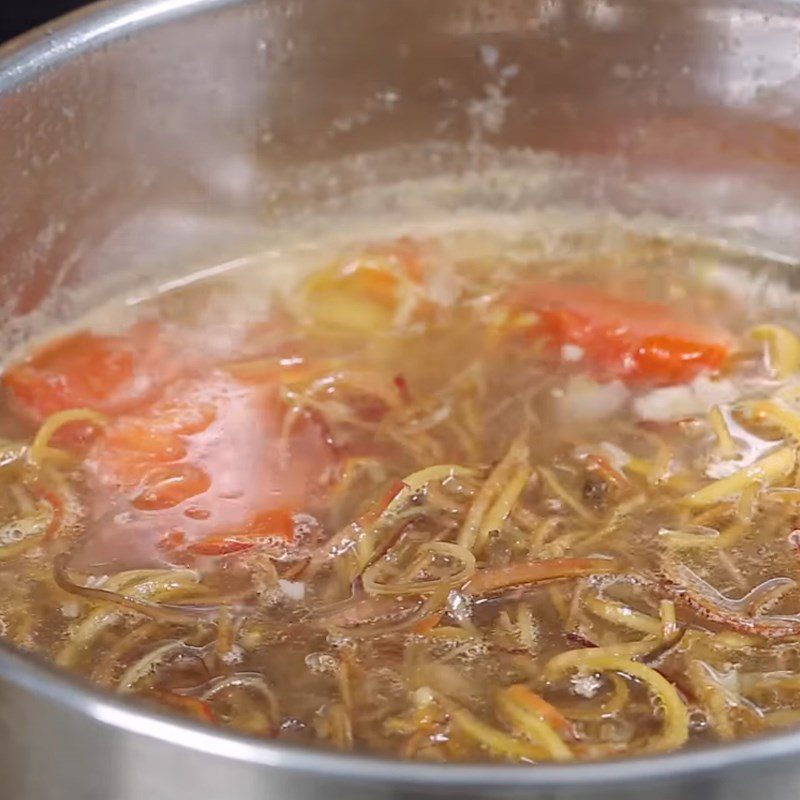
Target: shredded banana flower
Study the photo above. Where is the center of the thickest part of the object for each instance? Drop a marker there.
(564, 495)
(726, 446)
(783, 348)
(768, 470)
(493, 739)
(470, 530)
(675, 715)
(40, 449)
(533, 726)
(623, 615)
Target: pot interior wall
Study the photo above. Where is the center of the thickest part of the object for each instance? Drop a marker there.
(175, 142)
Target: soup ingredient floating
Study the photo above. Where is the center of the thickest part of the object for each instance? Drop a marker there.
(422, 504)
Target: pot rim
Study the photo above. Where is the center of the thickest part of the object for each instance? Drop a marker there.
(23, 60)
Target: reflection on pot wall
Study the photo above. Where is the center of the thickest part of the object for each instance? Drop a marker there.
(181, 140)
(202, 117)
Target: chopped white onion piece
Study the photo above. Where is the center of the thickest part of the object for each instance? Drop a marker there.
(295, 590)
(687, 400)
(585, 400)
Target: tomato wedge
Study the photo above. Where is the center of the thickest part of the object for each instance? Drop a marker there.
(110, 374)
(202, 471)
(169, 485)
(636, 340)
(146, 448)
(278, 523)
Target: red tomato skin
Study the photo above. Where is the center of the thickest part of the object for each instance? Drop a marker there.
(109, 374)
(276, 523)
(640, 341)
(674, 360)
(168, 485)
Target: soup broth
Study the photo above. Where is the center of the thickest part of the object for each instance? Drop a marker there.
(447, 498)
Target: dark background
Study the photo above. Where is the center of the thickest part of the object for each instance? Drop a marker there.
(17, 16)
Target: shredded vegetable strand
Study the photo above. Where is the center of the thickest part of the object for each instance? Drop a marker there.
(675, 726)
(768, 470)
(716, 700)
(620, 614)
(40, 449)
(502, 506)
(531, 724)
(145, 588)
(493, 739)
(740, 615)
(373, 585)
(778, 413)
(517, 454)
(372, 535)
(562, 494)
(490, 580)
(700, 537)
(783, 347)
(146, 665)
(726, 446)
(669, 623)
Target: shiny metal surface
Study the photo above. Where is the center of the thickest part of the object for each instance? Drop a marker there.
(141, 134)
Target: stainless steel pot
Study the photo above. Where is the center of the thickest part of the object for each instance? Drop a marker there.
(152, 132)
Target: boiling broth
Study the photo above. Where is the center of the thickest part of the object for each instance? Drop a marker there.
(444, 498)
